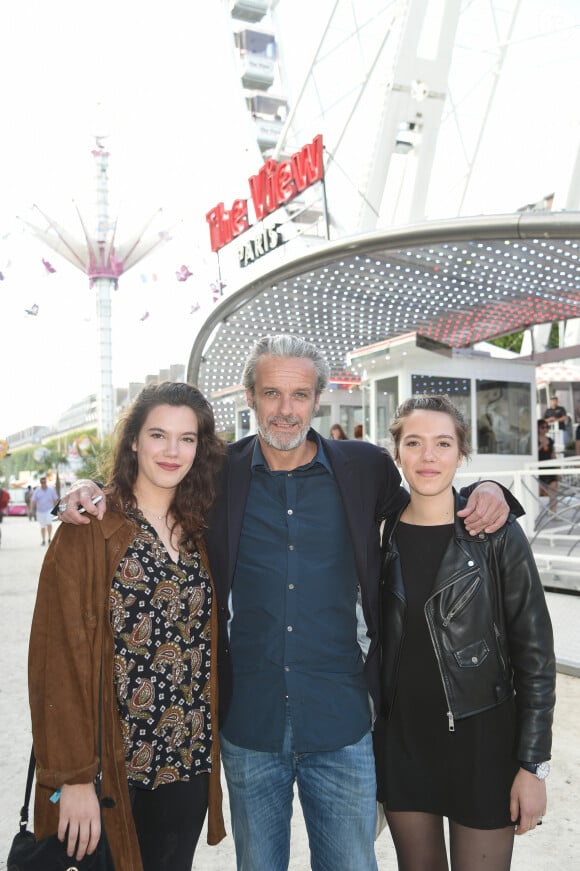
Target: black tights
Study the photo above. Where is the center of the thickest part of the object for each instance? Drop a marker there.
(169, 821)
(420, 844)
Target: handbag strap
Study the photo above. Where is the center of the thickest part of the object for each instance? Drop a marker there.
(27, 792)
(32, 763)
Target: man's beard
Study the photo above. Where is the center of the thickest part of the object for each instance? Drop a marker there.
(283, 444)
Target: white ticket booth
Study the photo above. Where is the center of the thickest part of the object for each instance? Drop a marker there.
(496, 395)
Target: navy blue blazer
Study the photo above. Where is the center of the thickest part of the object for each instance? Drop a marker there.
(370, 488)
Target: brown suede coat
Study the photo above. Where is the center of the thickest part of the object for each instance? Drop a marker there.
(71, 631)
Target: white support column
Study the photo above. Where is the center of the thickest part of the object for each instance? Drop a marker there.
(398, 183)
(102, 285)
(105, 401)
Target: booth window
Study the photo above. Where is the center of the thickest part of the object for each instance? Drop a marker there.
(321, 420)
(387, 399)
(504, 417)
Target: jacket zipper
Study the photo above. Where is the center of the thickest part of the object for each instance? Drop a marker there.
(450, 719)
(459, 604)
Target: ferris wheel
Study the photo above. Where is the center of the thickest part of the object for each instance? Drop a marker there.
(408, 95)
(416, 102)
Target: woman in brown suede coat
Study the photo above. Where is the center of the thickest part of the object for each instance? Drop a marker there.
(131, 598)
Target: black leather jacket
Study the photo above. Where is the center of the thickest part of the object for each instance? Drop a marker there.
(490, 628)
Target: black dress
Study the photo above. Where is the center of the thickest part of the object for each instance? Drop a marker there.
(467, 774)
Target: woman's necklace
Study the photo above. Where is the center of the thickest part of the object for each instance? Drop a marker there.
(150, 511)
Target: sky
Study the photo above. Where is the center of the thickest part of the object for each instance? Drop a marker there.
(160, 83)
(142, 74)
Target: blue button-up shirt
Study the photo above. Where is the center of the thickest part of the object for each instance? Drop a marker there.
(293, 632)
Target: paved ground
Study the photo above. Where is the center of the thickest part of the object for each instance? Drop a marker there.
(554, 846)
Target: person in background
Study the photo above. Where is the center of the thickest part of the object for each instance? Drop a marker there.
(337, 432)
(4, 500)
(486, 440)
(358, 431)
(43, 500)
(294, 547)
(556, 413)
(468, 668)
(28, 503)
(548, 482)
(136, 587)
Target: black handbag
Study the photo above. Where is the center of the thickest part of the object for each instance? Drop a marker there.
(49, 854)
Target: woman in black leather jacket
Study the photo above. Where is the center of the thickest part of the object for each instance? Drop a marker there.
(468, 669)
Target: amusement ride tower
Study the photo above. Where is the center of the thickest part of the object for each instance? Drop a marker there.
(103, 260)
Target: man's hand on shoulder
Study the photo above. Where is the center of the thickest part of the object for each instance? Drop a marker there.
(486, 509)
(79, 502)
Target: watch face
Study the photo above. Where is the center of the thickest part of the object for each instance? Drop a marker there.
(543, 770)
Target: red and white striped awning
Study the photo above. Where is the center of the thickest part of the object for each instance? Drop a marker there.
(550, 373)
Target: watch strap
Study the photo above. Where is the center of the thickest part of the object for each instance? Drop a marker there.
(540, 769)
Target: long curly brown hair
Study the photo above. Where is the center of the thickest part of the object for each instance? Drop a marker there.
(196, 493)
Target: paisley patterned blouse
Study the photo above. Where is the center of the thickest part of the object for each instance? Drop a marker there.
(160, 612)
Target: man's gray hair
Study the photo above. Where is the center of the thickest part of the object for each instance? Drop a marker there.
(284, 345)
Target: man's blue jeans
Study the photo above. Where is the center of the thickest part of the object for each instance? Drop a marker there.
(337, 791)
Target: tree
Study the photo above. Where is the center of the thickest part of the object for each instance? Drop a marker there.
(513, 341)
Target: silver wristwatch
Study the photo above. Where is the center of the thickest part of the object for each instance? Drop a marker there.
(540, 769)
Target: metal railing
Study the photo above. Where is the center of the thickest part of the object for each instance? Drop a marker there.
(551, 524)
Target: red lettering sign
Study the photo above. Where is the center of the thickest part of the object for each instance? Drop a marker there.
(274, 186)
(307, 164)
(225, 226)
